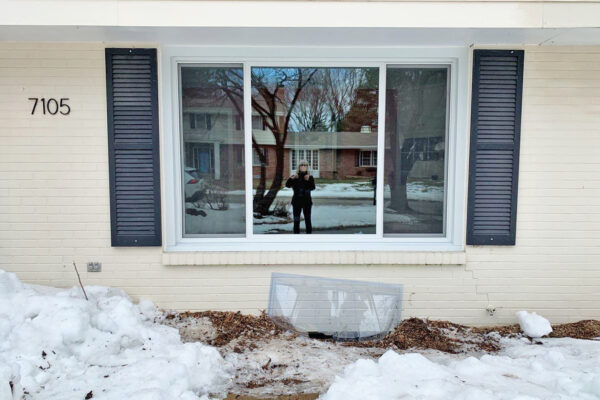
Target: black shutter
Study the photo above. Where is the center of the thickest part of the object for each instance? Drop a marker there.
(494, 153)
(131, 86)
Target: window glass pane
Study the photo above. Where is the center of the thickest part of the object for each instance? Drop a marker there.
(415, 137)
(320, 117)
(365, 158)
(213, 150)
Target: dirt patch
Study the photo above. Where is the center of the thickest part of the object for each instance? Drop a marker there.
(241, 331)
(273, 362)
(502, 330)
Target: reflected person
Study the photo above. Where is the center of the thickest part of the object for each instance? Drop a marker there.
(302, 183)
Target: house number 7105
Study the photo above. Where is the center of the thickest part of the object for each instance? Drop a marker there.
(51, 105)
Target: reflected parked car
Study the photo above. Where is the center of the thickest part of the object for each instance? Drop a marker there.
(194, 185)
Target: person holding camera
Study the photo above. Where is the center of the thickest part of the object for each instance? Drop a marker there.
(302, 183)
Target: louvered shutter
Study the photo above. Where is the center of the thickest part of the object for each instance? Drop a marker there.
(494, 153)
(131, 85)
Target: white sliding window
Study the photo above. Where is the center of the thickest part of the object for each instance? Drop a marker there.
(354, 154)
(415, 160)
(318, 116)
(212, 150)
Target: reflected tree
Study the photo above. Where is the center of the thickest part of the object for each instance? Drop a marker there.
(275, 94)
(415, 107)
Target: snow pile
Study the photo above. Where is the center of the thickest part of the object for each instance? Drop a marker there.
(558, 369)
(58, 345)
(533, 325)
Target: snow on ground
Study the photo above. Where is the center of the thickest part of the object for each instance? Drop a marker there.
(363, 190)
(56, 345)
(550, 369)
(284, 364)
(299, 365)
(533, 325)
(323, 217)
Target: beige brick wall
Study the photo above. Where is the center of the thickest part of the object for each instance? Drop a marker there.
(54, 205)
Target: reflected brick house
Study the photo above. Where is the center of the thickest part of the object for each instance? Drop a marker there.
(331, 155)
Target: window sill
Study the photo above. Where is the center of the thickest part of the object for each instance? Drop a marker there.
(313, 257)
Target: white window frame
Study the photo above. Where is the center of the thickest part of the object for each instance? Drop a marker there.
(256, 160)
(294, 156)
(457, 145)
(371, 154)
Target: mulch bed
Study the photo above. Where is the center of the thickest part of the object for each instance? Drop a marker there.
(411, 333)
(585, 329)
(436, 335)
(235, 326)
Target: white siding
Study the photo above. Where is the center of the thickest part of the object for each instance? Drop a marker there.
(54, 205)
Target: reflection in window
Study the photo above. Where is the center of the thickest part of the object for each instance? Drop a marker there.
(367, 158)
(415, 136)
(308, 126)
(310, 156)
(213, 150)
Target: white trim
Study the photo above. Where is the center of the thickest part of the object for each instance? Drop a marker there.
(379, 188)
(426, 257)
(248, 149)
(456, 57)
(371, 153)
(298, 159)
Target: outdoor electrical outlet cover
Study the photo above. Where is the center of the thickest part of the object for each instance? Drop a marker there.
(94, 267)
(338, 308)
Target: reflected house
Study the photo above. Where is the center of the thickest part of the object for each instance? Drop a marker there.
(350, 155)
(213, 136)
(331, 155)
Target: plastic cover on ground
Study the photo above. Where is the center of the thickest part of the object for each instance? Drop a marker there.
(340, 308)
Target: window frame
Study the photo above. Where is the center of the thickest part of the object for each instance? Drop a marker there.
(456, 58)
(372, 154)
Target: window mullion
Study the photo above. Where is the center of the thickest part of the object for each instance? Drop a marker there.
(248, 150)
(379, 195)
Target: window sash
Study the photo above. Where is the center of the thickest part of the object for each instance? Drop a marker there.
(256, 160)
(297, 155)
(367, 158)
(454, 58)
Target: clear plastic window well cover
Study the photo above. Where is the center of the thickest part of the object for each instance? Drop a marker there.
(338, 308)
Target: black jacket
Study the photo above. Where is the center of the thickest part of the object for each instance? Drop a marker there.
(302, 189)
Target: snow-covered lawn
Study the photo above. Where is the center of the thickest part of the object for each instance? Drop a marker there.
(56, 345)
